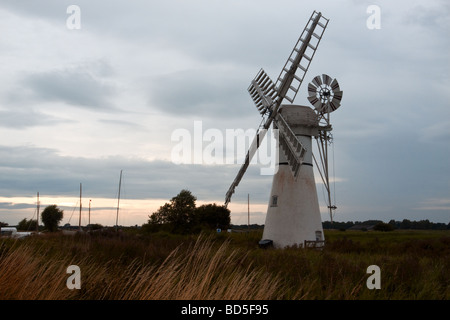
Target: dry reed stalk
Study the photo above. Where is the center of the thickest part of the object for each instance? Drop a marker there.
(27, 276)
(202, 272)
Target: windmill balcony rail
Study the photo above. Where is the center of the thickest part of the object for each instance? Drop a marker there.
(314, 244)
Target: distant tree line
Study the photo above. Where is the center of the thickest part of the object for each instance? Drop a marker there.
(50, 217)
(391, 225)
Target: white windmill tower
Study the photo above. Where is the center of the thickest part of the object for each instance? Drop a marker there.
(293, 215)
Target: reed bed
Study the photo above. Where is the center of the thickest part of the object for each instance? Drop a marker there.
(223, 267)
(202, 270)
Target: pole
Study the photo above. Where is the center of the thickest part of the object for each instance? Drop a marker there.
(79, 220)
(37, 214)
(89, 212)
(118, 200)
(248, 212)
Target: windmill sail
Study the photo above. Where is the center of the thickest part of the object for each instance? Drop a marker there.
(262, 91)
(296, 66)
(251, 152)
(292, 147)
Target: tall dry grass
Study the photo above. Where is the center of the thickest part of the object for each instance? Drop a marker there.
(225, 267)
(25, 274)
(203, 270)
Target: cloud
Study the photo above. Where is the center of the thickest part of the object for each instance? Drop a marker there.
(15, 206)
(207, 92)
(436, 133)
(122, 123)
(26, 170)
(435, 14)
(21, 119)
(70, 86)
(435, 204)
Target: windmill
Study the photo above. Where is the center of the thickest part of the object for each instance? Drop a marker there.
(293, 215)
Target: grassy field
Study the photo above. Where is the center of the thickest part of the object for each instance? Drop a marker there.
(414, 265)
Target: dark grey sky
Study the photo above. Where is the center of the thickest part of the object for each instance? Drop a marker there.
(80, 105)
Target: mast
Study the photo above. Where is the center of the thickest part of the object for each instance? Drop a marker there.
(79, 219)
(118, 201)
(248, 212)
(37, 214)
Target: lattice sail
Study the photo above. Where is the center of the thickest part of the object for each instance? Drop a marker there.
(300, 58)
(291, 145)
(262, 91)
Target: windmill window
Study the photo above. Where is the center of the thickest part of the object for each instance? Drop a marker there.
(318, 235)
(274, 202)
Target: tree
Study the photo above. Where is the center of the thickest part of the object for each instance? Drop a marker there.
(95, 226)
(180, 215)
(393, 224)
(160, 216)
(177, 216)
(51, 217)
(381, 226)
(27, 225)
(182, 209)
(405, 224)
(213, 216)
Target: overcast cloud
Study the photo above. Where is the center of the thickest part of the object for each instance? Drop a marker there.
(78, 106)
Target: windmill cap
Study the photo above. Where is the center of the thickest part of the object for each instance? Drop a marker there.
(297, 115)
